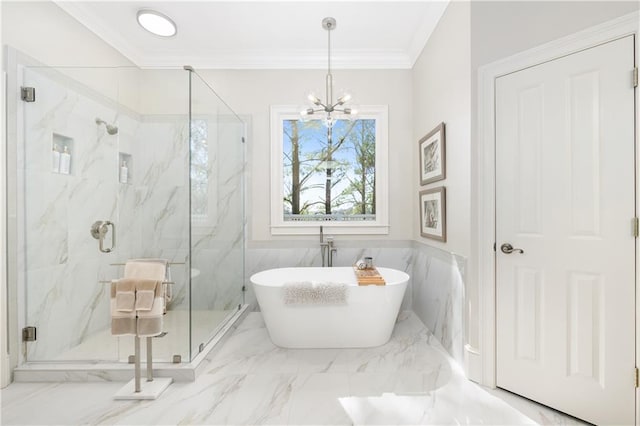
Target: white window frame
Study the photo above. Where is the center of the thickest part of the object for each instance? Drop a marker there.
(379, 226)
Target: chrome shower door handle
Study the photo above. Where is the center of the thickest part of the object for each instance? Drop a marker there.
(113, 237)
(507, 248)
(99, 230)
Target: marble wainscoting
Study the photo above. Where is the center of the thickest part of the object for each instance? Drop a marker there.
(391, 254)
(438, 295)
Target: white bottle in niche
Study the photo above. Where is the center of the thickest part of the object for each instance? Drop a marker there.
(124, 172)
(55, 159)
(65, 161)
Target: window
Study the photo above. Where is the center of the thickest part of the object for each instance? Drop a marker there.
(203, 185)
(335, 177)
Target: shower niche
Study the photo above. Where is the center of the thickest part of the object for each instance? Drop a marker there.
(125, 168)
(61, 154)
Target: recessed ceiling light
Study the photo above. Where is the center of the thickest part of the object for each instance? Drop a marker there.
(156, 23)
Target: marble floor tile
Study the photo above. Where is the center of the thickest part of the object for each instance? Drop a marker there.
(315, 399)
(250, 381)
(264, 399)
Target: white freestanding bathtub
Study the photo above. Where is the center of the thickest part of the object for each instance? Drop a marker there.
(365, 320)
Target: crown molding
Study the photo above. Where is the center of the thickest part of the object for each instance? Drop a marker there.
(281, 60)
(421, 37)
(92, 23)
(252, 59)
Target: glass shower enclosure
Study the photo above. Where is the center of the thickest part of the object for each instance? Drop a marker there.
(153, 160)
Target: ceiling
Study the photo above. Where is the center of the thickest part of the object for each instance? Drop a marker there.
(266, 34)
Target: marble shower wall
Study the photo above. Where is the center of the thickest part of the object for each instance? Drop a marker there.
(218, 240)
(160, 191)
(438, 295)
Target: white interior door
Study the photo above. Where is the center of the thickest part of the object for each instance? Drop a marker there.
(565, 196)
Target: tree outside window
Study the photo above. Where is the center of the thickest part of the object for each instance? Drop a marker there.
(329, 173)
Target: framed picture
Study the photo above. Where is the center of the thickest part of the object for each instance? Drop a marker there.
(432, 156)
(433, 214)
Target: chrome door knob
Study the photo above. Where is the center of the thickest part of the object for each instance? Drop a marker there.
(507, 248)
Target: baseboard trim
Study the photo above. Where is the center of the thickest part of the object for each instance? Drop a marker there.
(5, 374)
(472, 363)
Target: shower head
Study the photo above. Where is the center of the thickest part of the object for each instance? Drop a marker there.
(111, 129)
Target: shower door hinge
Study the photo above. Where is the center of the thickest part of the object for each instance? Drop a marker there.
(243, 141)
(244, 288)
(635, 77)
(636, 378)
(635, 225)
(28, 94)
(29, 334)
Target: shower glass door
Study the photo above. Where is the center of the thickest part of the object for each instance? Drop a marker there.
(217, 212)
(109, 145)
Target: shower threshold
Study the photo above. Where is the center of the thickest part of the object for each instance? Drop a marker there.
(100, 371)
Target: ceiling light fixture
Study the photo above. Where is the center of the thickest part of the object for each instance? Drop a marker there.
(328, 106)
(156, 23)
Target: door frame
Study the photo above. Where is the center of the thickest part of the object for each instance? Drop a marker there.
(482, 363)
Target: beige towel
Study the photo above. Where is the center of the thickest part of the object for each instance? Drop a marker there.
(122, 322)
(143, 269)
(151, 269)
(146, 292)
(150, 323)
(125, 295)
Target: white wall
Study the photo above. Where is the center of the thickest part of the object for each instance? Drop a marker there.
(251, 93)
(503, 28)
(44, 31)
(5, 362)
(441, 85)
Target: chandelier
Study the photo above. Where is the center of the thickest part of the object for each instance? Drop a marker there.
(328, 106)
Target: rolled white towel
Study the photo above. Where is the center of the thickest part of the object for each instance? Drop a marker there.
(361, 264)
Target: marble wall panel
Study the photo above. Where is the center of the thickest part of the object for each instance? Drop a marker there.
(438, 296)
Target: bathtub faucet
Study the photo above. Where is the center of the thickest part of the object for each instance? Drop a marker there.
(327, 250)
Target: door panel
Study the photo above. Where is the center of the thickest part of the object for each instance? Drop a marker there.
(565, 196)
